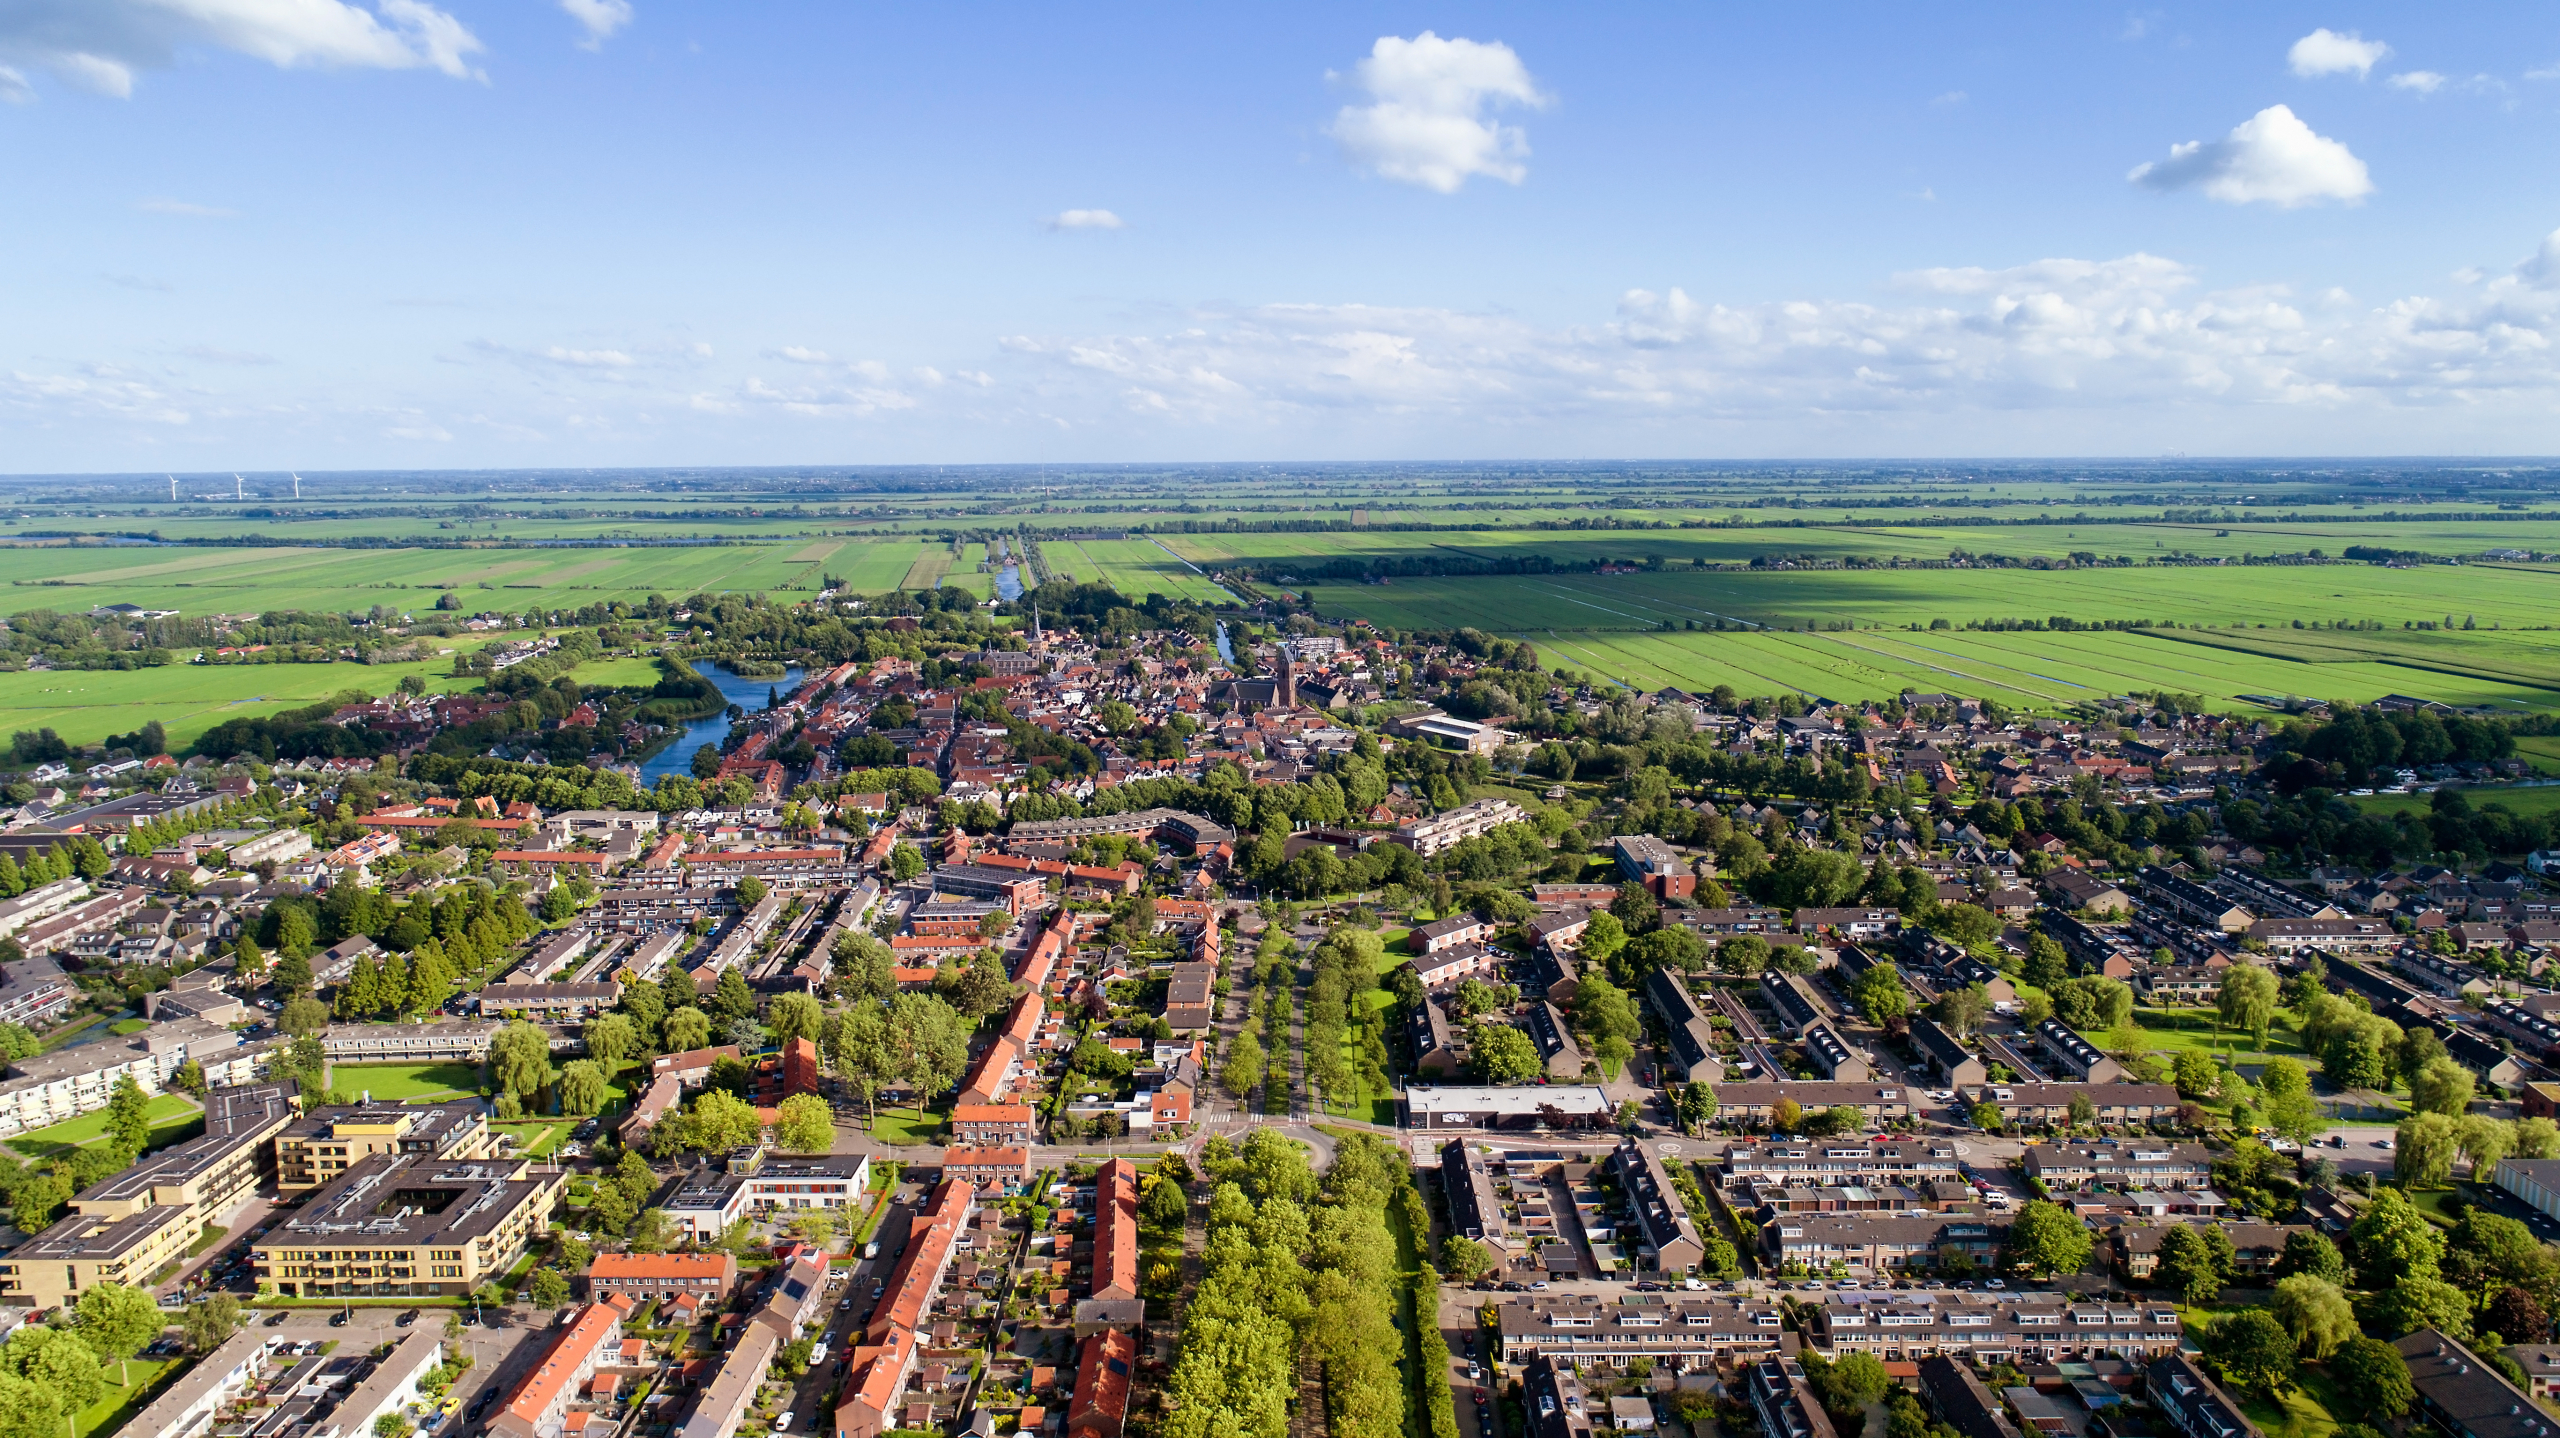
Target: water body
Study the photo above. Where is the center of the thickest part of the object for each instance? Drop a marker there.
(747, 694)
(1009, 582)
(1226, 651)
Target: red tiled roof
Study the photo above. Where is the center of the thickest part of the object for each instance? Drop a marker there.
(536, 1393)
(1115, 1236)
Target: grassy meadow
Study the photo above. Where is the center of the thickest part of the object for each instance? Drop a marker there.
(1847, 634)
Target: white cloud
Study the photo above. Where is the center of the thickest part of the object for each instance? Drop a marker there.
(99, 44)
(1085, 220)
(1426, 121)
(588, 359)
(96, 74)
(209, 354)
(2326, 52)
(2135, 337)
(181, 207)
(1952, 97)
(798, 354)
(103, 392)
(14, 89)
(2541, 269)
(600, 17)
(2271, 158)
(2425, 82)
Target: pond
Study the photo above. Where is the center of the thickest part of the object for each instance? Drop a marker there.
(747, 694)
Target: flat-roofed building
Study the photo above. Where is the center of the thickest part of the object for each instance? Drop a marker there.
(42, 901)
(1646, 860)
(392, 1385)
(126, 1226)
(1550, 1107)
(750, 1182)
(186, 1408)
(408, 1226)
(326, 1142)
(1016, 891)
(1428, 836)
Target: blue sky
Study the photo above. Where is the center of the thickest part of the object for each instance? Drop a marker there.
(372, 233)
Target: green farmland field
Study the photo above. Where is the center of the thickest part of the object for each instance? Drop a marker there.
(85, 706)
(1846, 634)
(232, 581)
(1135, 567)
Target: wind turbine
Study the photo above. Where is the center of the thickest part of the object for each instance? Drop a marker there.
(297, 486)
(173, 489)
(235, 488)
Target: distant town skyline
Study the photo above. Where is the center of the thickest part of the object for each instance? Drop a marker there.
(457, 234)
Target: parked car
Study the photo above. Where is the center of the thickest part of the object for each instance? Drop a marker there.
(782, 1424)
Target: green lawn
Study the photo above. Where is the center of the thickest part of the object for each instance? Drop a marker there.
(909, 1125)
(407, 1083)
(2304, 1413)
(129, 1026)
(538, 1139)
(2524, 802)
(635, 672)
(2176, 1030)
(122, 1401)
(169, 1113)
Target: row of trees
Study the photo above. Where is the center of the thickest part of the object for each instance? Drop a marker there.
(1289, 1268)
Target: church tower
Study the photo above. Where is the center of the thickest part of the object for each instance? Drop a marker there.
(1284, 693)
